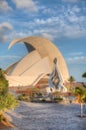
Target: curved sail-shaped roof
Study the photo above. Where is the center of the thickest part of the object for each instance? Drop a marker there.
(39, 48)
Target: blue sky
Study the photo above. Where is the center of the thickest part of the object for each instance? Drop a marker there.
(61, 21)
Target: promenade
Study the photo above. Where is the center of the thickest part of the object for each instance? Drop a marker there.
(47, 116)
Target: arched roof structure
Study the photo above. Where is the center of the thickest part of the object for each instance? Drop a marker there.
(40, 58)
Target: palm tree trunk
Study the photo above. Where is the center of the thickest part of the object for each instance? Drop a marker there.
(81, 109)
(79, 98)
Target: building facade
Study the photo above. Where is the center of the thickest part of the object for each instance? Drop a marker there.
(37, 65)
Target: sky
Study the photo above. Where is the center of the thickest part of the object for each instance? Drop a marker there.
(63, 22)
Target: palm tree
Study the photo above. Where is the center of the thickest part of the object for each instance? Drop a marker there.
(84, 75)
(81, 93)
(71, 80)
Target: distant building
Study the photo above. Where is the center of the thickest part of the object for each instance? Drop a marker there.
(35, 68)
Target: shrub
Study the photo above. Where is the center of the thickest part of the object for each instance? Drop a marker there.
(23, 97)
(58, 99)
(7, 101)
(43, 100)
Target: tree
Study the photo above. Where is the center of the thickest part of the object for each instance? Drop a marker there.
(71, 80)
(81, 93)
(3, 83)
(84, 75)
(7, 101)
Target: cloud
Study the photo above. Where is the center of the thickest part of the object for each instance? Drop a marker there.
(69, 23)
(49, 11)
(9, 57)
(74, 31)
(77, 59)
(75, 53)
(48, 36)
(4, 7)
(76, 9)
(5, 30)
(70, 26)
(28, 5)
(48, 21)
(71, 1)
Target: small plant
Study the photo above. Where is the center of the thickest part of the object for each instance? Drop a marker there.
(23, 97)
(58, 99)
(43, 100)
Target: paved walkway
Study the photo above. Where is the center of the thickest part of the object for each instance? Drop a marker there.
(47, 116)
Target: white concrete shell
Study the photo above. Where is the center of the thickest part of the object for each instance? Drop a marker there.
(38, 62)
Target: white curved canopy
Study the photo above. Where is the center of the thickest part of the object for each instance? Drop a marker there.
(40, 58)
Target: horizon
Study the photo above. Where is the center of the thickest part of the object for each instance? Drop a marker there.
(63, 22)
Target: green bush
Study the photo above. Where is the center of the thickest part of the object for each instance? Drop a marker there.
(7, 101)
(23, 97)
(43, 100)
(58, 99)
